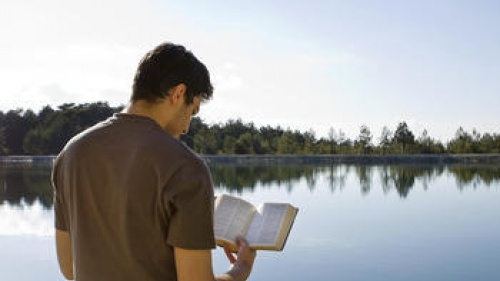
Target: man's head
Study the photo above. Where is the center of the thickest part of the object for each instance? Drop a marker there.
(167, 66)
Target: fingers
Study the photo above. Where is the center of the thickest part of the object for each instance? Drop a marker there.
(244, 252)
(243, 245)
(241, 242)
(245, 255)
(229, 254)
(242, 263)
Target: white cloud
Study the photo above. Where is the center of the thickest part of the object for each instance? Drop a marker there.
(71, 73)
(226, 78)
(228, 82)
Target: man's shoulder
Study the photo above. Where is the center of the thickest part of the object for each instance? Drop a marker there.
(87, 134)
(189, 157)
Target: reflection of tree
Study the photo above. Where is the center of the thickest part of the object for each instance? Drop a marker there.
(336, 176)
(25, 184)
(364, 174)
(246, 177)
(403, 180)
(385, 180)
(475, 175)
(403, 177)
(429, 174)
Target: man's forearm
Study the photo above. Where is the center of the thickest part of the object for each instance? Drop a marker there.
(64, 253)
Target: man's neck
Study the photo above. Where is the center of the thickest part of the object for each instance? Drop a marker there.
(146, 109)
(159, 112)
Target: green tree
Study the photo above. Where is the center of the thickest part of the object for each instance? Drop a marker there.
(344, 143)
(53, 128)
(332, 140)
(34, 142)
(195, 126)
(3, 148)
(476, 139)
(205, 142)
(271, 136)
(489, 143)
(424, 142)
(236, 128)
(403, 137)
(16, 124)
(309, 146)
(462, 143)
(363, 143)
(287, 143)
(228, 144)
(428, 145)
(261, 145)
(244, 144)
(385, 140)
(324, 146)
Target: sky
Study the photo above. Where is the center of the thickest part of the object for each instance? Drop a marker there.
(303, 65)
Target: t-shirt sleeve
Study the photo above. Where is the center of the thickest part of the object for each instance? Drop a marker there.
(188, 199)
(59, 208)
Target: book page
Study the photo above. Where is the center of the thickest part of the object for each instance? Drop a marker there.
(232, 217)
(266, 224)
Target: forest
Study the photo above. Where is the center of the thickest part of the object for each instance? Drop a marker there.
(25, 132)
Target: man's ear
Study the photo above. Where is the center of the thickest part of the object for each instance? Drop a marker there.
(178, 93)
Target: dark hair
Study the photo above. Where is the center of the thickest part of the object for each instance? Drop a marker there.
(167, 66)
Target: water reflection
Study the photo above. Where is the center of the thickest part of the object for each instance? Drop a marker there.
(401, 178)
(24, 185)
(475, 176)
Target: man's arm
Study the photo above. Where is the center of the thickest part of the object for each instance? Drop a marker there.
(64, 254)
(197, 264)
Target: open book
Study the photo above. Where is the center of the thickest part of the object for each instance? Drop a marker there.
(265, 227)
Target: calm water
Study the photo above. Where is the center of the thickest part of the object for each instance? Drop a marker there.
(355, 222)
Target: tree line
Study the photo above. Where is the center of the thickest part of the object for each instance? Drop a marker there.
(24, 132)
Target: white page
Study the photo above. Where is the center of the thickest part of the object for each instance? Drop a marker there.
(232, 217)
(269, 215)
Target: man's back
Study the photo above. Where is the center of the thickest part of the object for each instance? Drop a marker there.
(122, 192)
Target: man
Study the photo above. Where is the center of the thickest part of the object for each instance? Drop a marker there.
(131, 201)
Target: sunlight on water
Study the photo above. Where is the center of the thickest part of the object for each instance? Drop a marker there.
(26, 219)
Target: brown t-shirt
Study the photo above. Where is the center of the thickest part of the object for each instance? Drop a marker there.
(127, 192)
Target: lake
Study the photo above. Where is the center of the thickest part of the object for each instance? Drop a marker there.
(397, 222)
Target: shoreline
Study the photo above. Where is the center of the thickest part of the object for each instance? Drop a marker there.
(334, 159)
(330, 159)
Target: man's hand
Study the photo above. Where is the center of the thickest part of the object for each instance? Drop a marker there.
(242, 263)
(197, 264)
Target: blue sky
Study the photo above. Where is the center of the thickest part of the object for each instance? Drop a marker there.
(298, 64)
